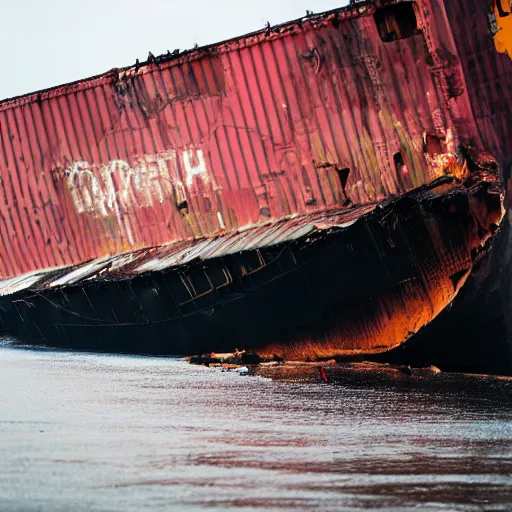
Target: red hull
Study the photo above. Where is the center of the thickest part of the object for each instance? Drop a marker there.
(305, 117)
(245, 144)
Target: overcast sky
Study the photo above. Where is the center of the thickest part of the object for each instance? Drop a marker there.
(49, 42)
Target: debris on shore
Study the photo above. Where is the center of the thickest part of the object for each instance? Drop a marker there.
(363, 373)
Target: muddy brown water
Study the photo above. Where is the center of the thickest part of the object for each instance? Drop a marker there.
(92, 432)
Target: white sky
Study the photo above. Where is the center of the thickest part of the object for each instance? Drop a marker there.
(50, 42)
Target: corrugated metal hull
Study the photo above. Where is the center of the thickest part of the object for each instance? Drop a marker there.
(170, 187)
(480, 319)
(332, 291)
(302, 118)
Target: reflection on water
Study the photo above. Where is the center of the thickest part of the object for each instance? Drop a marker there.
(100, 432)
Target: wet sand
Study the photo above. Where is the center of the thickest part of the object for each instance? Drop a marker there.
(107, 433)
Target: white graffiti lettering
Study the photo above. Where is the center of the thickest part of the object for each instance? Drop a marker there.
(118, 187)
(194, 165)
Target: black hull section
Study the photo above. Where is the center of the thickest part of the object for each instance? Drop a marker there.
(477, 327)
(331, 293)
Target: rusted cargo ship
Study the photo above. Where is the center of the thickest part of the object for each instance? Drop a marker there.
(320, 188)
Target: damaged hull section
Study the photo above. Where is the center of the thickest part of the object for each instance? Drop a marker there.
(336, 291)
(322, 188)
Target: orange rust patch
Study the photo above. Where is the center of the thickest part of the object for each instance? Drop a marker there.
(382, 322)
(442, 157)
(396, 316)
(503, 37)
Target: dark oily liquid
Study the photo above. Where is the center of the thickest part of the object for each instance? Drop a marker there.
(102, 432)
